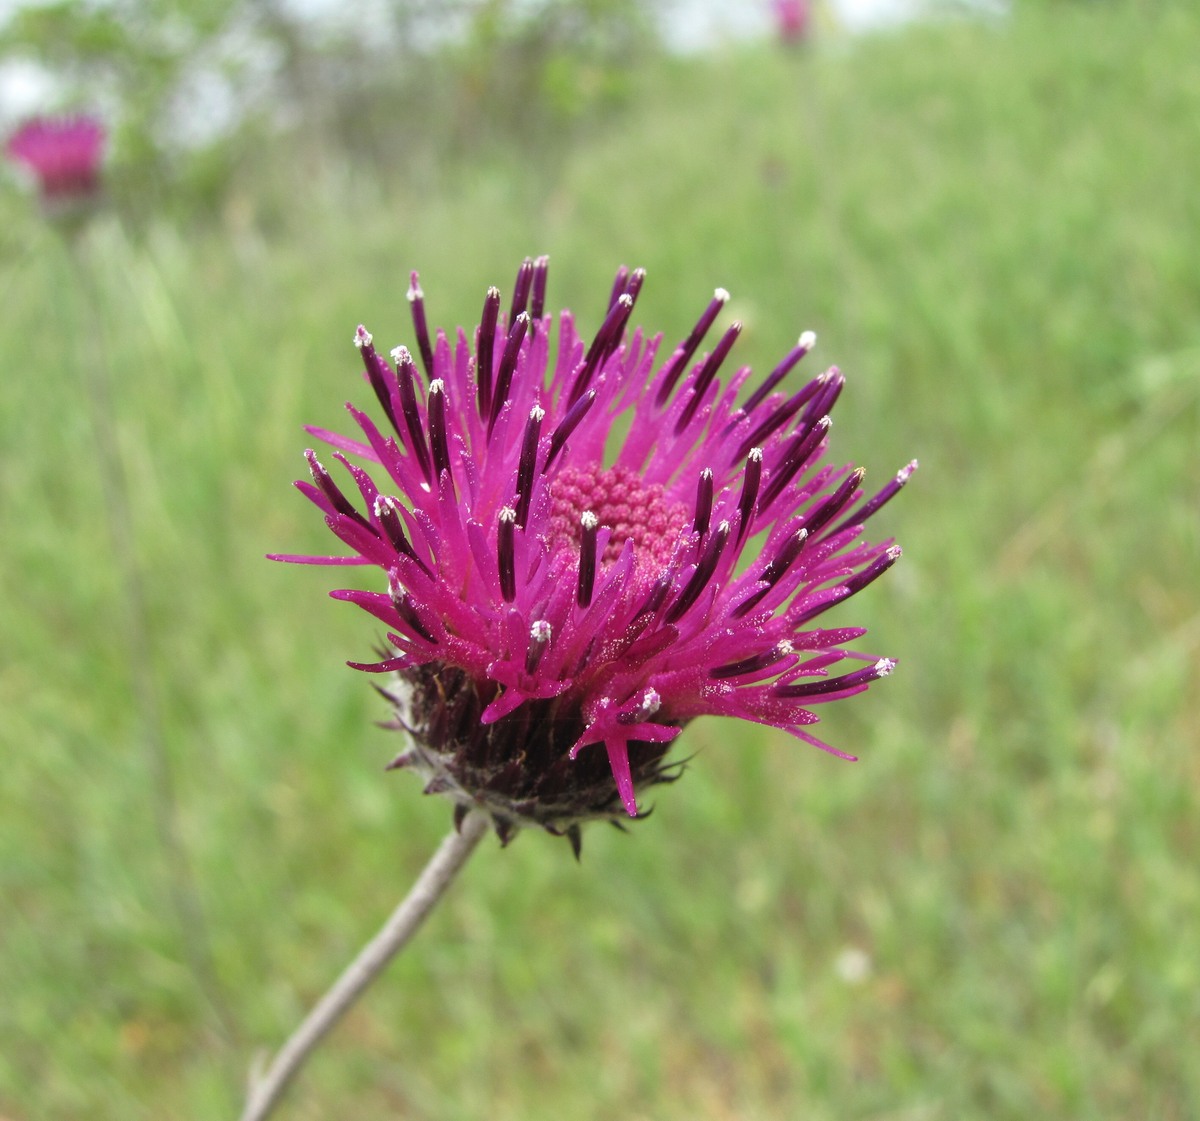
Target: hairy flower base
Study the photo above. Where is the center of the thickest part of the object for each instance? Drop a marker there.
(577, 556)
(519, 768)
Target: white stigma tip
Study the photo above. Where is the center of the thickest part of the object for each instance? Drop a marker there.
(362, 337)
(895, 552)
(784, 648)
(808, 340)
(722, 295)
(508, 514)
(756, 455)
(884, 666)
(905, 472)
(724, 527)
(493, 293)
(400, 354)
(588, 520)
(437, 386)
(540, 631)
(825, 422)
(537, 413)
(651, 701)
(625, 300)
(415, 293)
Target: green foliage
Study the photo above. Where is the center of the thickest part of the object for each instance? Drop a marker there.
(548, 63)
(195, 88)
(992, 916)
(130, 59)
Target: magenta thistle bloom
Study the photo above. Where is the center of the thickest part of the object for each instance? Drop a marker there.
(792, 18)
(64, 153)
(582, 553)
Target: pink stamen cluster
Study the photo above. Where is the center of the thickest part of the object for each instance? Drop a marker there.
(559, 587)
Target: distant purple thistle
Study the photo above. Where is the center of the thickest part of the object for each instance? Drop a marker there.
(64, 154)
(561, 600)
(793, 18)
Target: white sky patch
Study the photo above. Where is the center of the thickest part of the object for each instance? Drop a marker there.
(25, 87)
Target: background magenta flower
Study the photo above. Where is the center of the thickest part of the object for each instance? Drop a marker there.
(792, 17)
(584, 553)
(64, 154)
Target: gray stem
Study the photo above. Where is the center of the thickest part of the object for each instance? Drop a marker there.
(438, 874)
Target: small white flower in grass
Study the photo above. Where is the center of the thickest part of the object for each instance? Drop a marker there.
(853, 965)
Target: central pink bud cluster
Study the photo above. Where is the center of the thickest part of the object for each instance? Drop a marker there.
(620, 502)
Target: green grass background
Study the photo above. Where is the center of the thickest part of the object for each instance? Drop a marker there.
(994, 230)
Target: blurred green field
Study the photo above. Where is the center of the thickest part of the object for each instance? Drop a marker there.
(995, 231)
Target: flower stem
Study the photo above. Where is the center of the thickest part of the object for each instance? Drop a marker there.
(140, 642)
(266, 1090)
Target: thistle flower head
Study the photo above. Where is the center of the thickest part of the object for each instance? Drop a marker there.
(64, 154)
(792, 18)
(584, 545)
